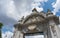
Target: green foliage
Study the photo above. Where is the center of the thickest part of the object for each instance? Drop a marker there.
(0, 29)
(0, 34)
(1, 25)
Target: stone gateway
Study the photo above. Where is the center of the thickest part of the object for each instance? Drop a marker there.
(38, 23)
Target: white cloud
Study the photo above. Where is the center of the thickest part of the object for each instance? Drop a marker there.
(39, 9)
(40, 0)
(7, 34)
(24, 7)
(56, 6)
(17, 8)
(38, 3)
(11, 10)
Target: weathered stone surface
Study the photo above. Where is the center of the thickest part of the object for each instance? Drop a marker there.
(36, 23)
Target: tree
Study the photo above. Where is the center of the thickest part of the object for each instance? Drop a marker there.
(0, 29)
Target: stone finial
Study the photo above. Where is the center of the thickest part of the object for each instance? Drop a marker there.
(34, 10)
(48, 11)
(21, 19)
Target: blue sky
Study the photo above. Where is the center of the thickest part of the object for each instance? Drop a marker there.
(48, 5)
(12, 10)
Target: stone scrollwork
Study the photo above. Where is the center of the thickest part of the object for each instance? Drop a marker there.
(31, 27)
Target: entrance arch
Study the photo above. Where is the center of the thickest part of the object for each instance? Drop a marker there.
(37, 24)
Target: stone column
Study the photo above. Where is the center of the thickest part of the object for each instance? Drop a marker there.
(45, 34)
(57, 31)
(49, 34)
(14, 35)
(54, 31)
(17, 34)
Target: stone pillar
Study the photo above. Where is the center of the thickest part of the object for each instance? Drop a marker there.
(21, 35)
(57, 31)
(17, 34)
(45, 34)
(14, 35)
(49, 34)
(54, 31)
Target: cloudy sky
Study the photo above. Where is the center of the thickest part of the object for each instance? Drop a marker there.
(12, 10)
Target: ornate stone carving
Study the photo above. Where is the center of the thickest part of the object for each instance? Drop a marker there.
(31, 27)
(36, 23)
